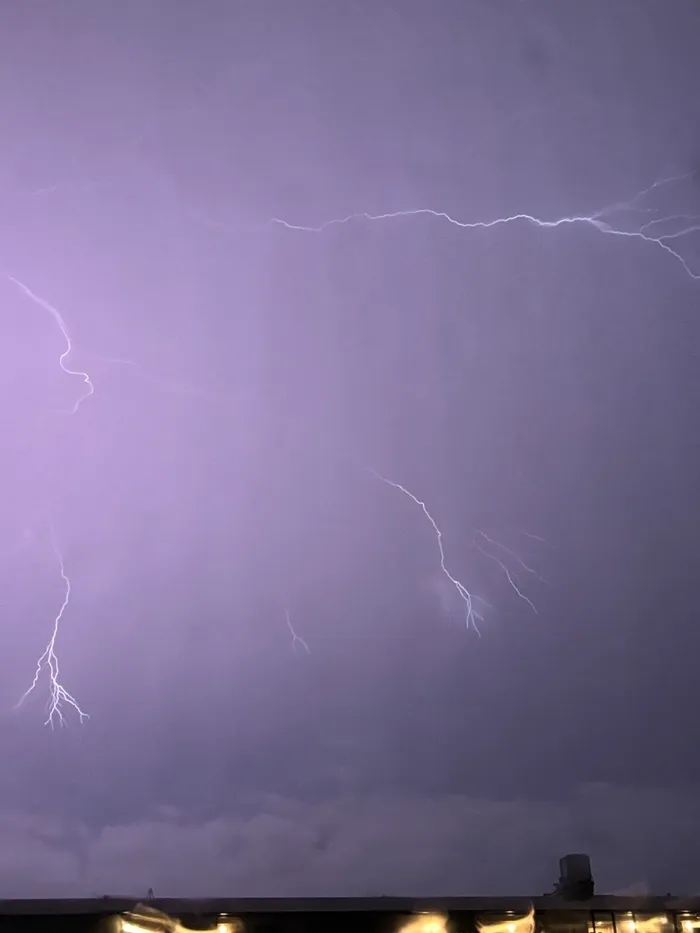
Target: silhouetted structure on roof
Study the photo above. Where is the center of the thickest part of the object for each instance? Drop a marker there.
(575, 878)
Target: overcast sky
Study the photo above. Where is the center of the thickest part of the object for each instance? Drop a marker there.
(283, 694)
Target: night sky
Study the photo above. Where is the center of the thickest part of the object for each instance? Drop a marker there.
(286, 692)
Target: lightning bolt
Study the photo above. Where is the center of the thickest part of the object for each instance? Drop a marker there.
(296, 639)
(59, 697)
(464, 593)
(603, 221)
(514, 554)
(509, 577)
(533, 537)
(58, 318)
(600, 220)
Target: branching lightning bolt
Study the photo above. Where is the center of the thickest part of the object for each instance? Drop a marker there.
(59, 697)
(464, 594)
(678, 226)
(509, 577)
(296, 639)
(514, 554)
(600, 220)
(58, 318)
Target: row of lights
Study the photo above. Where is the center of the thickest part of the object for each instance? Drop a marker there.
(688, 924)
(434, 923)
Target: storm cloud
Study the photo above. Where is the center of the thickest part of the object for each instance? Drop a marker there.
(504, 326)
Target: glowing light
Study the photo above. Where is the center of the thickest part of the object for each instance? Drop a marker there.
(425, 923)
(652, 924)
(128, 926)
(524, 924)
(59, 697)
(148, 920)
(229, 925)
(600, 220)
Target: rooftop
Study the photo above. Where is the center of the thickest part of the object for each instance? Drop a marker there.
(189, 907)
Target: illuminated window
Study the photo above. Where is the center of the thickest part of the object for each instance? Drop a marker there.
(649, 923)
(688, 923)
(508, 922)
(425, 923)
(564, 921)
(604, 924)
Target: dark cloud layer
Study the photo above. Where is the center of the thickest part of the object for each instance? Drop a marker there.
(364, 846)
(536, 387)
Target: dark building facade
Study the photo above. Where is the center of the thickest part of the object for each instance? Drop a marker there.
(547, 914)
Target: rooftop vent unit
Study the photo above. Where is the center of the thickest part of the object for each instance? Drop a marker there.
(575, 878)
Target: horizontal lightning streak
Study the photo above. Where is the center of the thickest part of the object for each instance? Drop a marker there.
(58, 696)
(601, 221)
(596, 220)
(56, 315)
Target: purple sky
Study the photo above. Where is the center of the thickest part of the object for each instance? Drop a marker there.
(535, 386)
